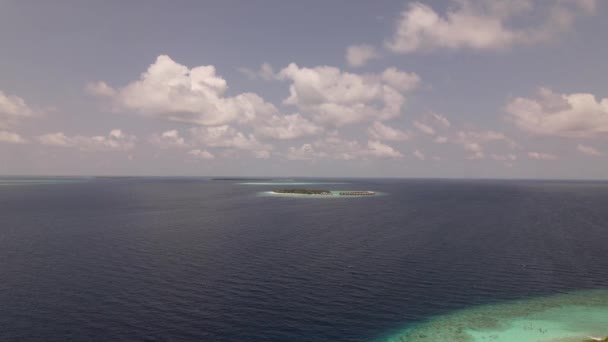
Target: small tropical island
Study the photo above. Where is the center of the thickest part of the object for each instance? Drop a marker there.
(303, 192)
(322, 192)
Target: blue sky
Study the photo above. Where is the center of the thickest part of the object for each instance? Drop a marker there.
(455, 88)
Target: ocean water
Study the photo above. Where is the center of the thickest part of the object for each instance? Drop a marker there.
(191, 259)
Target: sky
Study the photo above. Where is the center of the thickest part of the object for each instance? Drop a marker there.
(448, 89)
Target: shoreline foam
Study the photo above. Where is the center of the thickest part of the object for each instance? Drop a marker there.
(573, 317)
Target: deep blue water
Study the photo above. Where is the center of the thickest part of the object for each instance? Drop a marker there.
(152, 259)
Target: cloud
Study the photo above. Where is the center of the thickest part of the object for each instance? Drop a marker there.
(481, 25)
(379, 131)
(12, 109)
(11, 138)
(287, 127)
(431, 122)
(442, 120)
(588, 150)
(201, 154)
(116, 140)
(229, 138)
(171, 91)
(334, 147)
(169, 139)
(304, 152)
(441, 140)
(504, 157)
(418, 154)
(100, 88)
(377, 149)
(265, 72)
(474, 141)
(541, 156)
(359, 55)
(568, 115)
(424, 128)
(339, 98)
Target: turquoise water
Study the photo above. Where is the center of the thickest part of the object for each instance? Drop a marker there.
(289, 183)
(334, 194)
(561, 318)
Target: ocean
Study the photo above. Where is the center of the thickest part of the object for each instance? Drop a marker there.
(195, 259)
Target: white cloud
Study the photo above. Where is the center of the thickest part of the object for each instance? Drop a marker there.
(287, 127)
(358, 55)
(11, 138)
(474, 141)
(265, 72)
(334, 147)
(380, 150)
(304, 152)
(589, 150)
(100, 88)
(541, 156)
(424, 128)
(227, 137)
(567, 115)
(379, 131)
(116, 140)
(431, 122)
(441, 140)
(339, 98)
(172, 91)
(201, 154)
(418, 154)
(169, 139)
(12, 109)
(401, 80)
(442, 120)
(481, 25)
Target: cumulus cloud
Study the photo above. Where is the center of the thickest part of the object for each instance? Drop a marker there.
(441, 139)
(440, 119)
(169, 139)
(474, 141)
(339, 98)
(229, 138)
(11, 138)
(359, 55)
(334, 147)
(482, 24)
(424, 128)
(567, 115)
(304, 152)
(541, 156)
(116, 140)
(172, 91)
(287, 127)
(379, 131)
(419, 154)
(12, 109)
(381, 150)
(589, 150)
(431, 122)
(201, 154)
(265, 72)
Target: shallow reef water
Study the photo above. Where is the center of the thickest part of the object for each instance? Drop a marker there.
(573, 317)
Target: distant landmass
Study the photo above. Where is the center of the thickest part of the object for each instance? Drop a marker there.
(323, 192)
(303, 192)
(240, 179)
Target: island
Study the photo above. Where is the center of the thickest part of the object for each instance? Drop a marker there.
(322, 192)
(303, 192)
